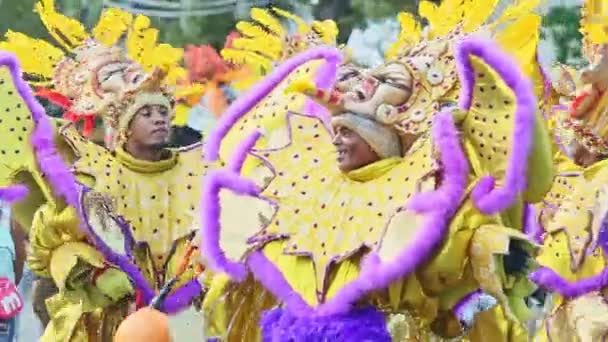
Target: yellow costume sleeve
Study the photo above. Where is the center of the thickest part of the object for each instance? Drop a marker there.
(57, 246)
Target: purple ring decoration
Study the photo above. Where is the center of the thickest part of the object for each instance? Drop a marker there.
(486, 197)
(247, 101)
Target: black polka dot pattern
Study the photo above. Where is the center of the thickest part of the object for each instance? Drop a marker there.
(489, 124)
(16, 126)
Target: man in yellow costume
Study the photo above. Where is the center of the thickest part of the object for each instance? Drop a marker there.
(573, 255)
(115, 227)
(412, 234)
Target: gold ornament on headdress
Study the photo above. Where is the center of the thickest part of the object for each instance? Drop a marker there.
(265, 40)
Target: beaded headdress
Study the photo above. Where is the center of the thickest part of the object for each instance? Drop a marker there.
(69, 74)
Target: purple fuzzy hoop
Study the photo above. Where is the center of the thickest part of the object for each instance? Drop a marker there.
(486, 197)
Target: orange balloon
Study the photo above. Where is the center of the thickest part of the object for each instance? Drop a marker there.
(144, 325)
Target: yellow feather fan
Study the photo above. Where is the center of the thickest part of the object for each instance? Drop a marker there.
(67, 31)
(112, 26)
(444, 18)
(266, 41)
(594, 26)
(263, 17)
(37, 57)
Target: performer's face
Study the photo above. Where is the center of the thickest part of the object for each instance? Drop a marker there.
(389, 84)
(150, 127)
(353, 151)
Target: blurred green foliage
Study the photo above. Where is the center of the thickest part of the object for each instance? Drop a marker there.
(561, 24)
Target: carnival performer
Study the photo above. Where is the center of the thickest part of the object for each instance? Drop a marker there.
(413, 233)
(116, 227)
(573, 255)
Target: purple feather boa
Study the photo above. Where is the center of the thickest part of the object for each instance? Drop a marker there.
(437, 207)
(486, 197)
(367, 324)
(246, 102)
(13, 193)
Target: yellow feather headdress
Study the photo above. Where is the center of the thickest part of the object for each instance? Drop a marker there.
(265, 40)
(141, 42)
(72, 68)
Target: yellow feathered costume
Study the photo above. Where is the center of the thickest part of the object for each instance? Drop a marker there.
(315, 239)
(572, 258)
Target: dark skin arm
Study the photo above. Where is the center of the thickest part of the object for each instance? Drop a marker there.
(20, 240)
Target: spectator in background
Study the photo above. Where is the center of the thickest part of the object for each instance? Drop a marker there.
(10, 300)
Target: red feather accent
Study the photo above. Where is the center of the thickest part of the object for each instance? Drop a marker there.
(66, 104)
(54, 97)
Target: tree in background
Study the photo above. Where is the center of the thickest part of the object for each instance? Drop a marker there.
(561, 24)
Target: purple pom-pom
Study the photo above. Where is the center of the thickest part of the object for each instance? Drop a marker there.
(367, 324)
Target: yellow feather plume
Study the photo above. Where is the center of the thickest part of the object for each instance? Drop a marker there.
(520, 39)
(476, 13)
(430, 12)
(112, 25)
(594, 21)
(328, 30)
(302, 26)
(263, 17)
(408, 36)
(303, 86)
(519, 9)
(260, 46)
(248, 29)
(68, 32)
(256, 62)
(37, 57)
